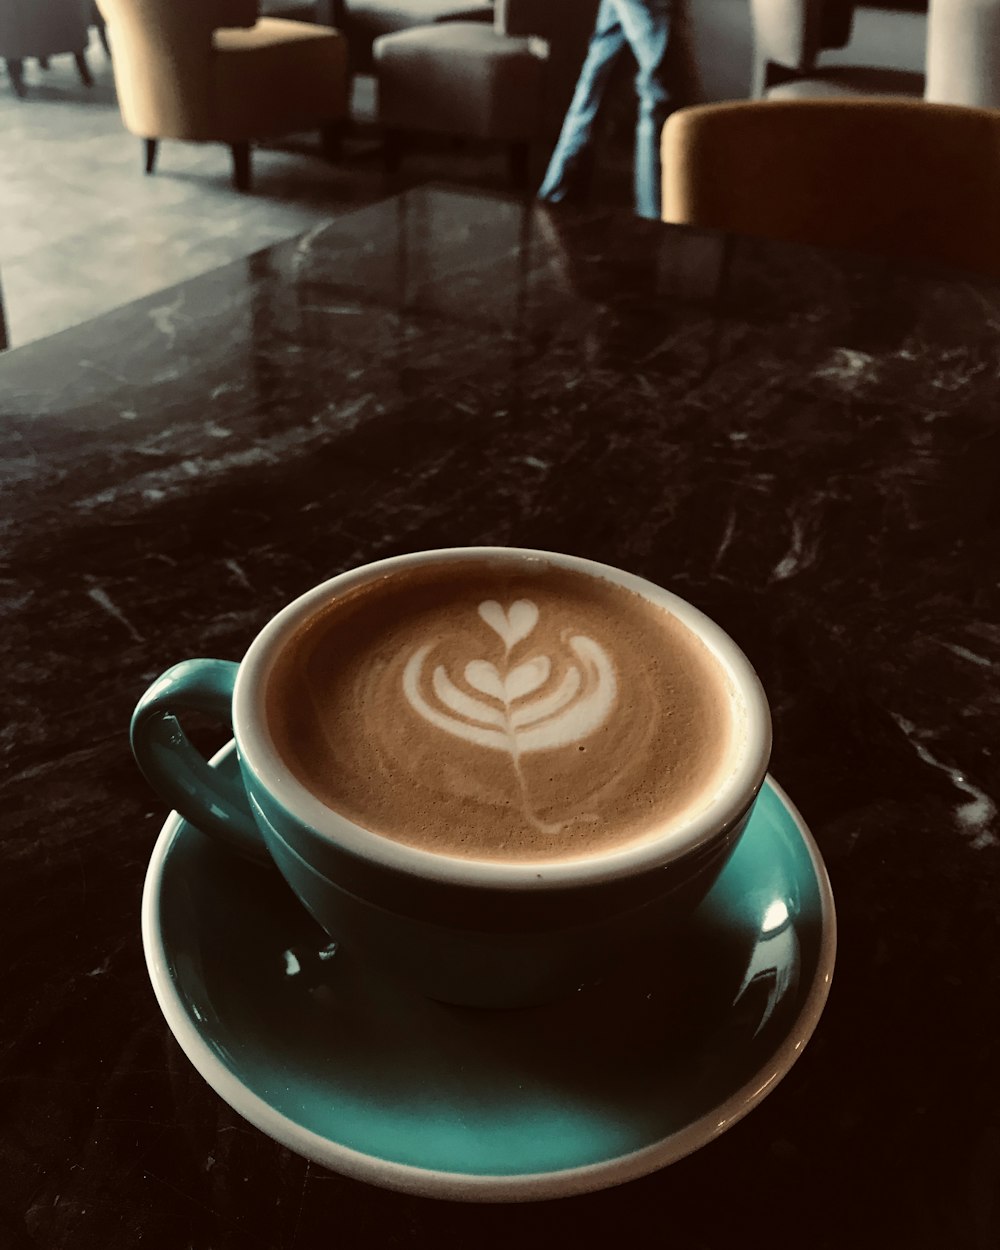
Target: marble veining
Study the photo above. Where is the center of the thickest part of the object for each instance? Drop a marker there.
(802, 443)
(976, 815)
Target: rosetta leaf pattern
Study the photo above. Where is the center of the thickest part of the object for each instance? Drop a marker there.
(516, 707)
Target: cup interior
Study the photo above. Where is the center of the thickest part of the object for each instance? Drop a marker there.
(737, 780)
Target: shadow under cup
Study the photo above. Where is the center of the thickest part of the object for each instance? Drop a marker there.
(483, 947)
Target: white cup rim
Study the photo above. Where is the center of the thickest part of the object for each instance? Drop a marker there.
(733, 797)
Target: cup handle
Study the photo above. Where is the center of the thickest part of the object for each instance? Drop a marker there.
(180, 775)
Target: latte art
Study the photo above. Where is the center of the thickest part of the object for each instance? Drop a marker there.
(523, 709)
(501, 709)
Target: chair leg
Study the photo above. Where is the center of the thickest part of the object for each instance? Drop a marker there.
(102, 34)
(392, 150)
(517, 164)
(83, 68)
(15, 72)
(43, 62)
(149, 147)
(332, 140)
(242, 175)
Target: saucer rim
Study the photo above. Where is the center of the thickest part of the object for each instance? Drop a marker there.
(522, 1187)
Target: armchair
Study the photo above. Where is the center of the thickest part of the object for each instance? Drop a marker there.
(30, 29)
(790, 35)
(213, 72)
(890, 177)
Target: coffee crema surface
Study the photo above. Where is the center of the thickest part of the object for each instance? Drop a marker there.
(503, 710)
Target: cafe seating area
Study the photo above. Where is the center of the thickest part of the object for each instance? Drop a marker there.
(84, 230)
(352, 99)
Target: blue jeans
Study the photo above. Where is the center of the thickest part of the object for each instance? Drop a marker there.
(645, 26)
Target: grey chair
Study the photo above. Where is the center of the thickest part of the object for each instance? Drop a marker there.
(789, 38)
(508, 82)
(41, 29)
(963, 52)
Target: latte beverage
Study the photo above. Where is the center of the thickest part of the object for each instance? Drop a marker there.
(500, 708)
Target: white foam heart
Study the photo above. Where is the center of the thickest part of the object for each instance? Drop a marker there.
(512, 624)
(483, 676)
(526, 678)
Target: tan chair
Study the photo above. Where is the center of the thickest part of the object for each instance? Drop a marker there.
(29, 28)
(899, 178)
(211, 72)
(789, 39)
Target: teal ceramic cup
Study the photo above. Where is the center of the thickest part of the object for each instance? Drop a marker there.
(469, 931)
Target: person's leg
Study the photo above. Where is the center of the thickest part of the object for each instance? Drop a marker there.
(569, 157)
(646, 24)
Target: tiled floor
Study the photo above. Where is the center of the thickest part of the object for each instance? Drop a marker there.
(82, 230)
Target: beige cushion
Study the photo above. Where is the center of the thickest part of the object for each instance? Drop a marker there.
(460, 78)
(900, 178)
(850, 80)
(367, 20)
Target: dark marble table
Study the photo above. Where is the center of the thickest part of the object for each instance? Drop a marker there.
(804, 444)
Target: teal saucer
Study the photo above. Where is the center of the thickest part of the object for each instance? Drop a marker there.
(347, 1069)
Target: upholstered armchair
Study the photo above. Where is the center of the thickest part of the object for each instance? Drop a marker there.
(213, 72)
(29, 28)
(790, 35)
(891, 177)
